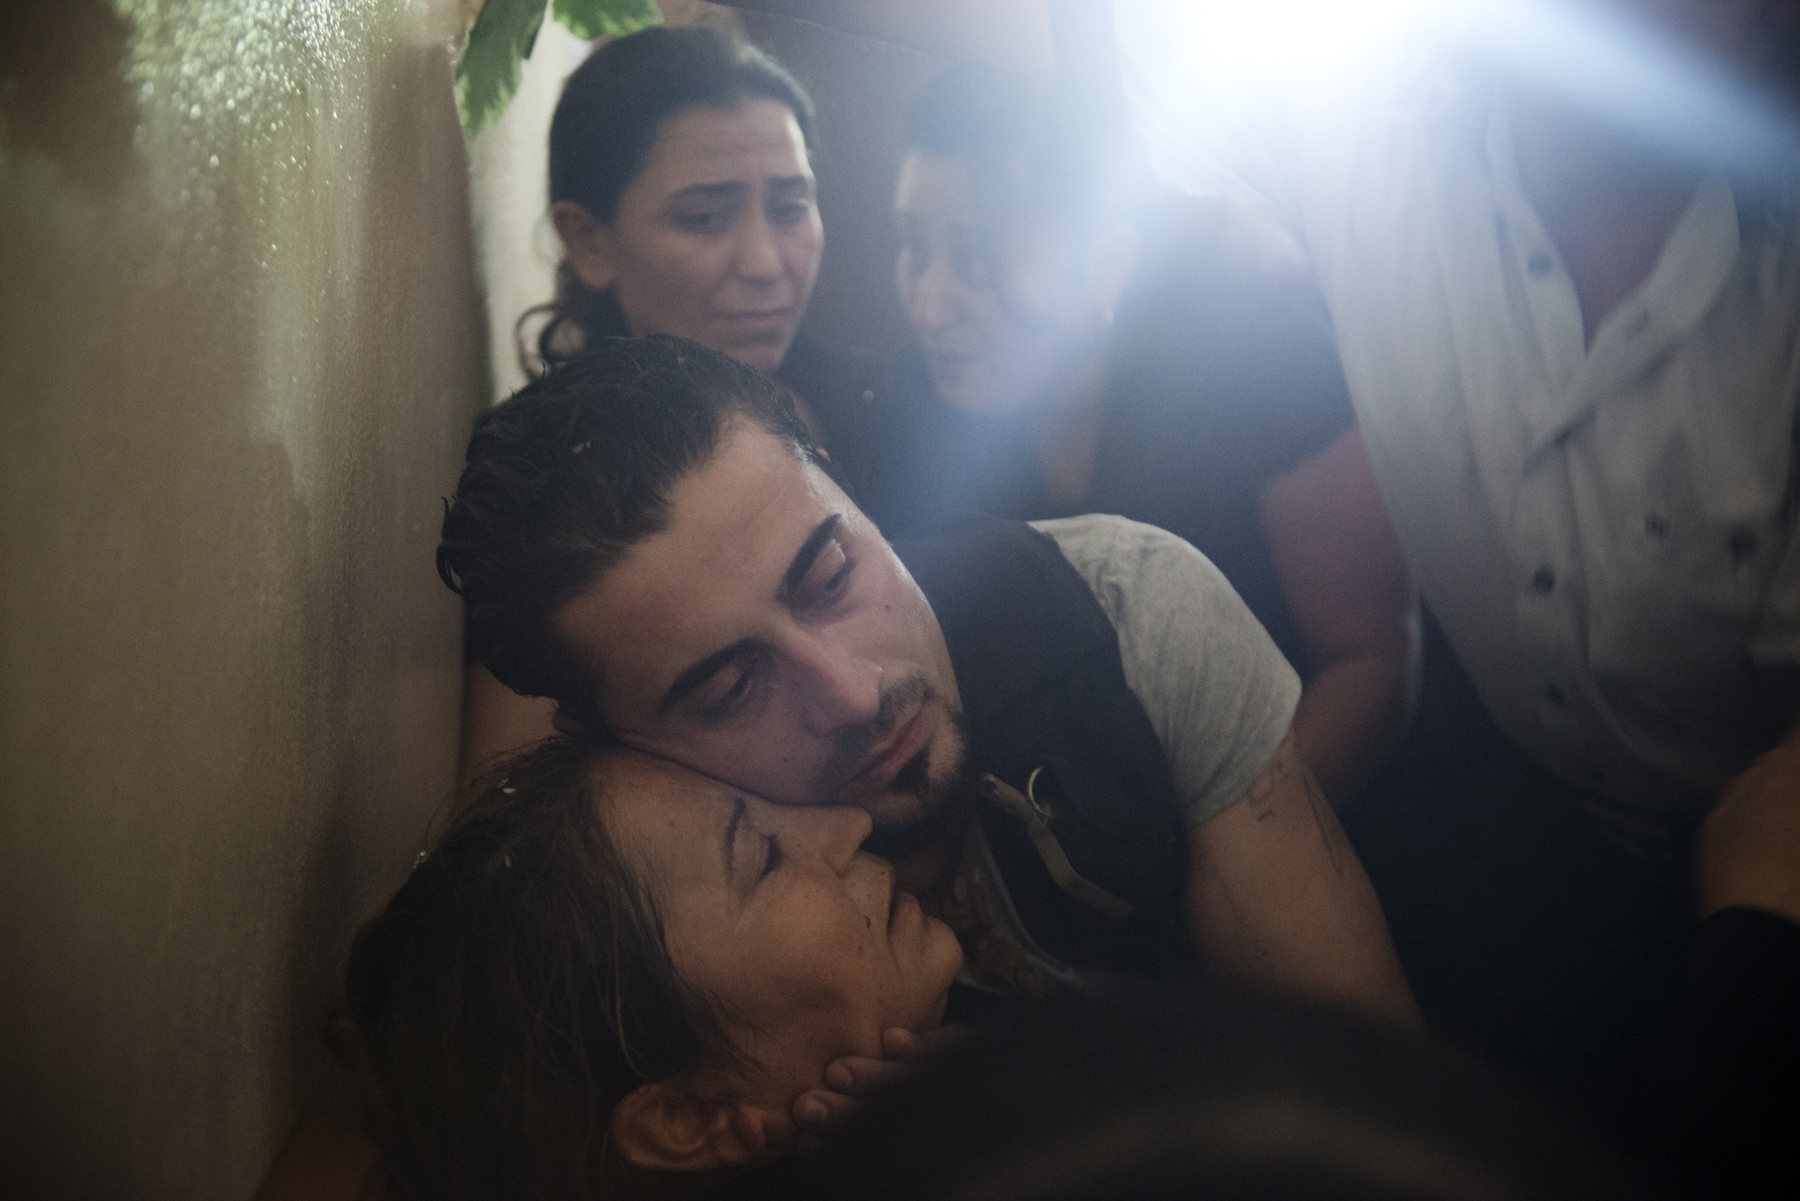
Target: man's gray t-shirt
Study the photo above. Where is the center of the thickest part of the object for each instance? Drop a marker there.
(1218, 693)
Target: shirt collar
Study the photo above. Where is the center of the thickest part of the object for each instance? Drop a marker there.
(1691, 272)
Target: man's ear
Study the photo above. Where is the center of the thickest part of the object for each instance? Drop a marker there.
(665, 1128)
(587, 242)
(1112, 261)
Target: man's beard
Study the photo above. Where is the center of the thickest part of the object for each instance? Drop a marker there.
(945, 808)
(942, 804)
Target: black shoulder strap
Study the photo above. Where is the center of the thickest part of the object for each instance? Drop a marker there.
(1044, 691)
(1015, 614)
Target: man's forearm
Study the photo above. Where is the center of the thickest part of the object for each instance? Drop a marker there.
(1277, 896)
(1345, 581)
(1348, 717)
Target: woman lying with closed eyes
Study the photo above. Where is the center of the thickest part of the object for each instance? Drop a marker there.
(611, 968)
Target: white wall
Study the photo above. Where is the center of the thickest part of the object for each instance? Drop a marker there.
(240, 347)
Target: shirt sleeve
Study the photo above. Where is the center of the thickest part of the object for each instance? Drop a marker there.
(1218, 693)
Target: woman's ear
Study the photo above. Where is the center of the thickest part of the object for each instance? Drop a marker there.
(587, 242)
(665, 1128)
(1112, 261)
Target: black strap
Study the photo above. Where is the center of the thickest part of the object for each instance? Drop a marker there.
(1044, 691)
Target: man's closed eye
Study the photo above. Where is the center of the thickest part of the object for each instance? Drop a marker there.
(730, 692)
(827, 579)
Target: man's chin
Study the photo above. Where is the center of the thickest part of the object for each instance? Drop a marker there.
(921, 805)
(910, 819)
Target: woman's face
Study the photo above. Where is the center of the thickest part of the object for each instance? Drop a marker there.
(717, 239)
(997, 305)
(772, 910)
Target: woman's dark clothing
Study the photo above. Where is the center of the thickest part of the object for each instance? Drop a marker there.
(837, 385)
(1221, 373)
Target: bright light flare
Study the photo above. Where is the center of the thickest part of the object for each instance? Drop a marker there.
(1192, 64)
(1253, 45)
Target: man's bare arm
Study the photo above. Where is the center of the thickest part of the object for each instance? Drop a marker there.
(1277, 896)
(1345, 581)
(1012, 34)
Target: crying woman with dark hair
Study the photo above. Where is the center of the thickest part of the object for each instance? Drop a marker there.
(682, 189)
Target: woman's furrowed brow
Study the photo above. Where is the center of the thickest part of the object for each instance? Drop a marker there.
(791, 185)
(728, 190)
(809, 551)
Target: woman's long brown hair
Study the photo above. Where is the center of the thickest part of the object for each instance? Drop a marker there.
(514, 990)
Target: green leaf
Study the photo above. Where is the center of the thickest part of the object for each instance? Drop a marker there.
(605, 18)
(487, 74)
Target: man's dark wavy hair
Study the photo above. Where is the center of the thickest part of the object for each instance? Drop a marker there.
(567, 475)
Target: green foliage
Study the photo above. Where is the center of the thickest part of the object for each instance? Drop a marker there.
(487, 74)
(605, 18)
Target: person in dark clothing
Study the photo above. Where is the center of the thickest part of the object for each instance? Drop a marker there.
(681, 186)
(1218, 378)
(1081, 349)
